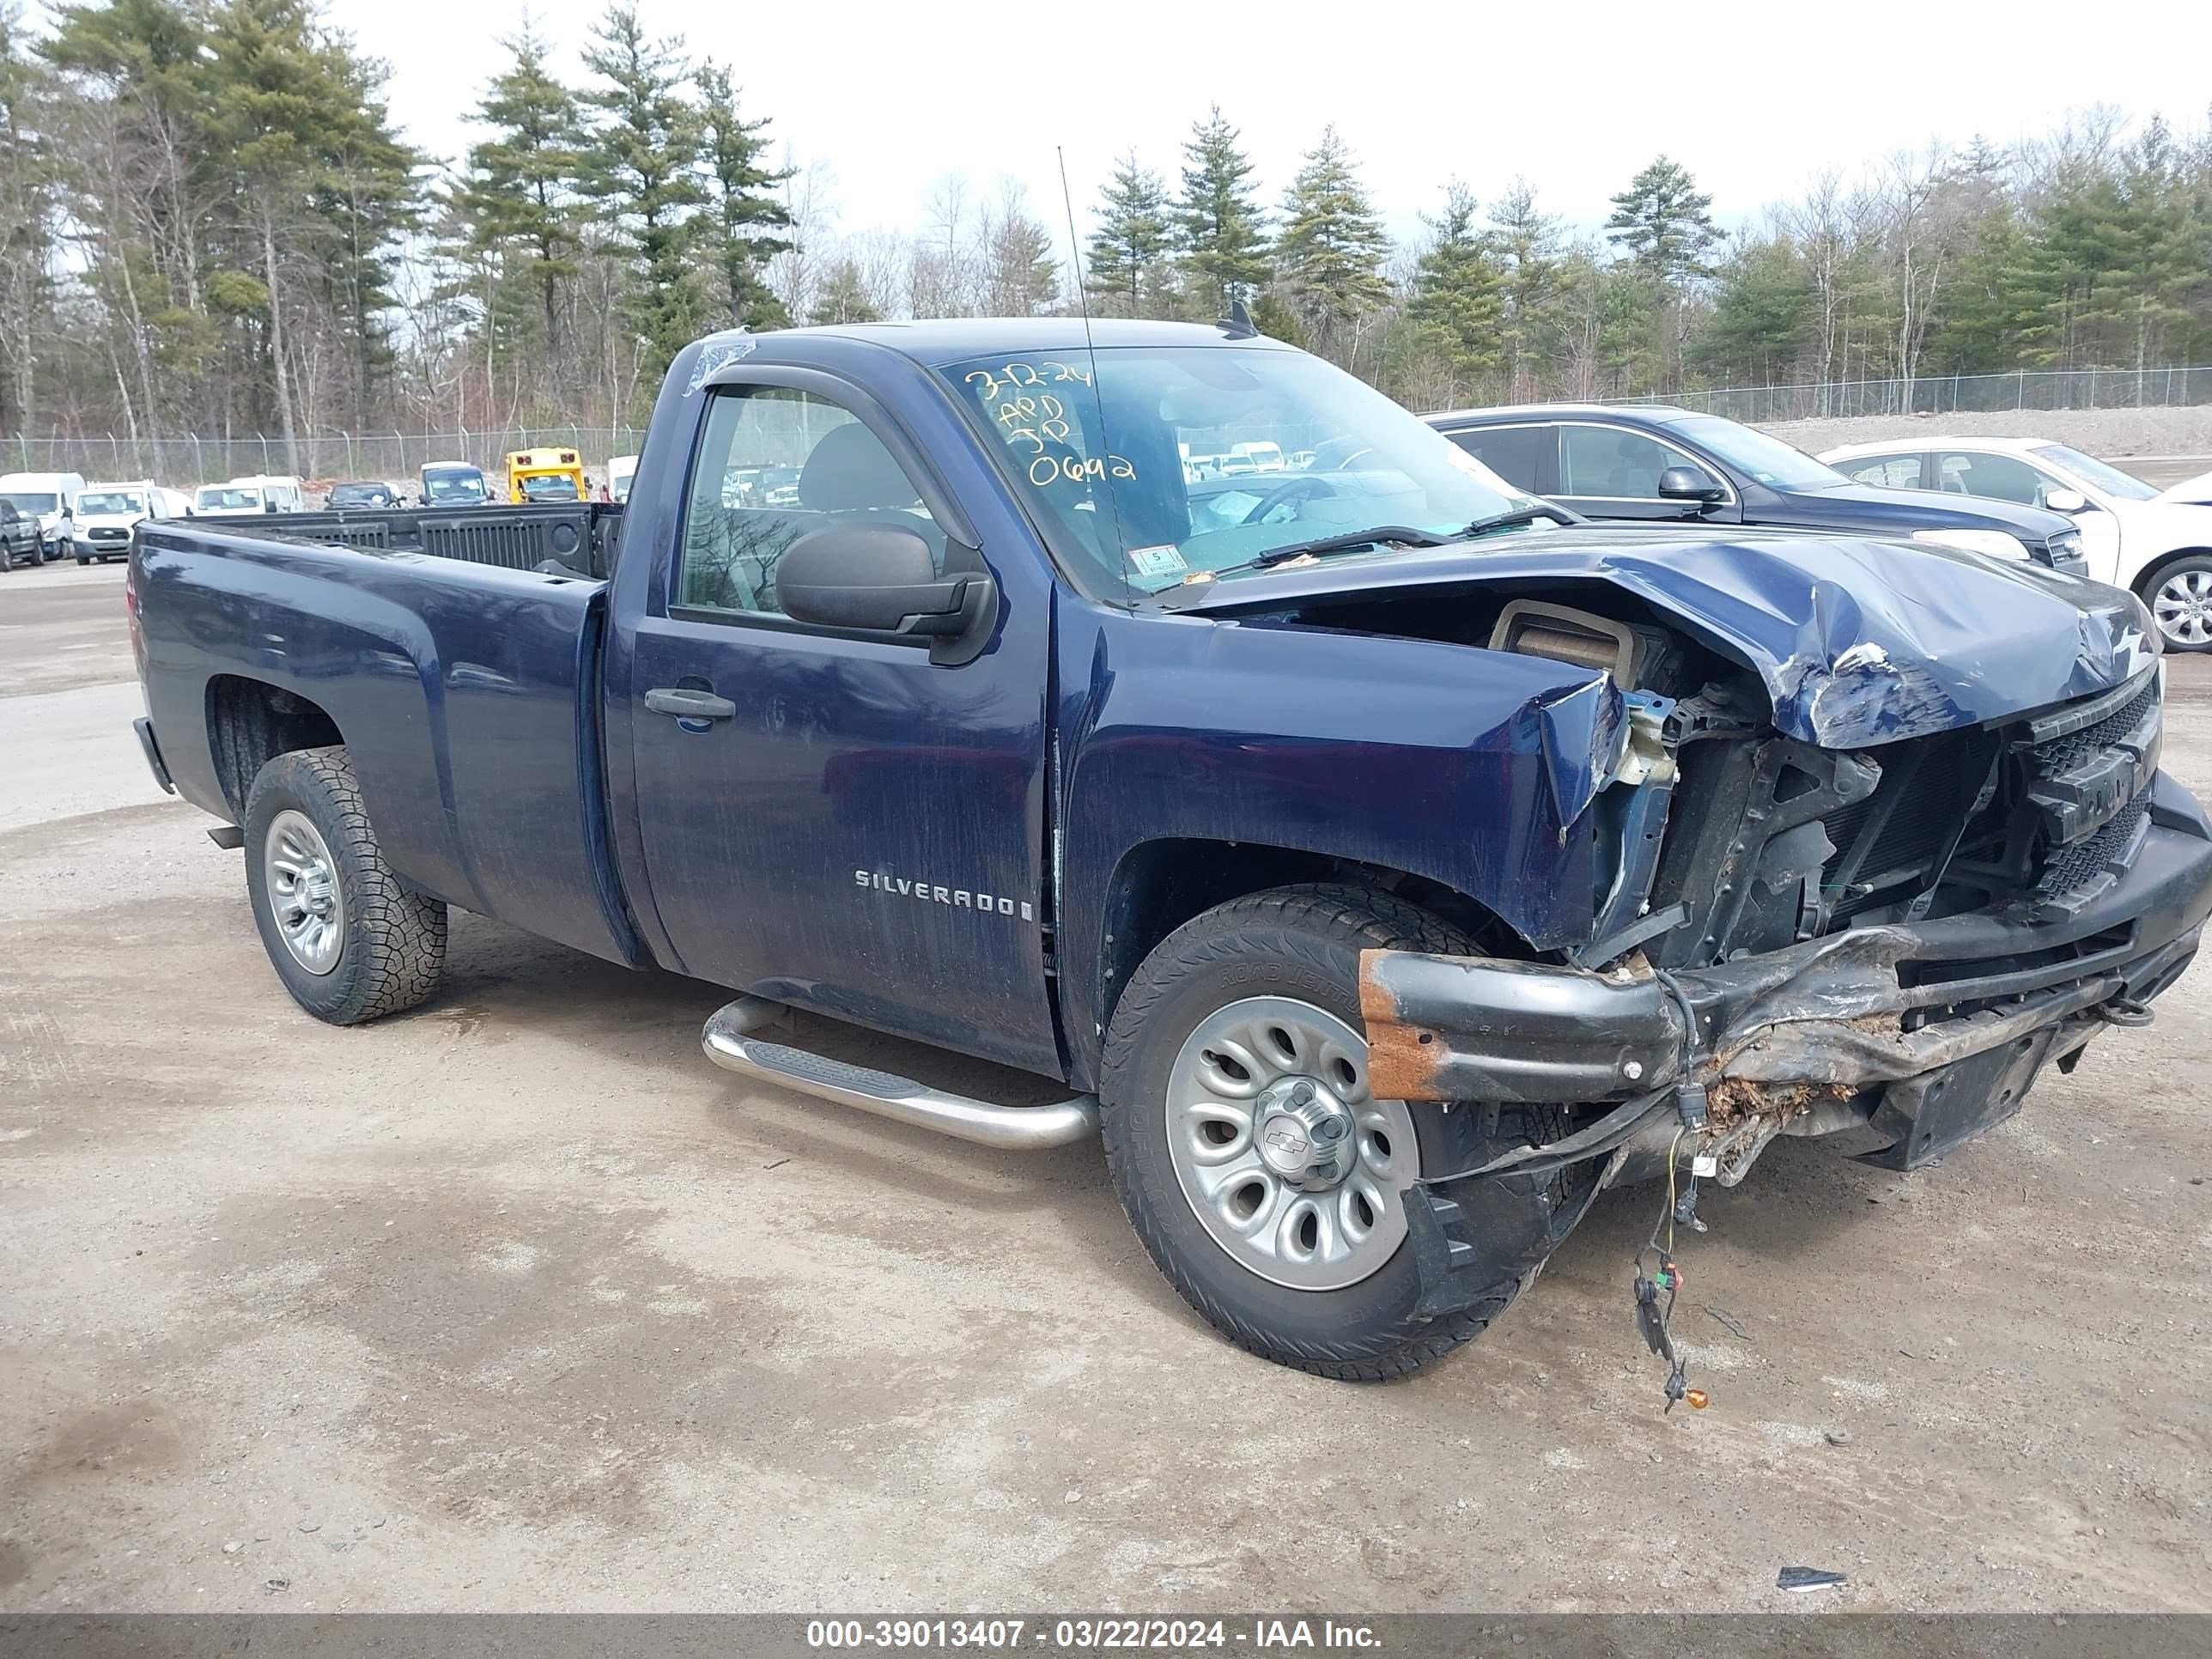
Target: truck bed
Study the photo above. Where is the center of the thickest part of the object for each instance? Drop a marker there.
(580, 535)
(464, 679)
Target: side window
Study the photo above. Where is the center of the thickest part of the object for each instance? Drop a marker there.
(1887, 471)
(774, 463)
(1521, 455)
(2000, 478)
(1607, 463)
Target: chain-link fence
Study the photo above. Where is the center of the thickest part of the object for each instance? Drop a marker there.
(1947, 394)
(190, 459)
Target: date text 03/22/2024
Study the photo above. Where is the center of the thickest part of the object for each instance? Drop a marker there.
(1091, 1635)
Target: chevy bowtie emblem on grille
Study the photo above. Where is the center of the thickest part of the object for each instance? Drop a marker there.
(958, 898)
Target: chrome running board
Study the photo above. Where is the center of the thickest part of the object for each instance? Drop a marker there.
(730, 1042)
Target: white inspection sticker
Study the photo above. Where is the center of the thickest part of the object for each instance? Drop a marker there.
(1165, 559)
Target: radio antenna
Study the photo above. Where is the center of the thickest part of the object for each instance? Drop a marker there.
(1097, 391)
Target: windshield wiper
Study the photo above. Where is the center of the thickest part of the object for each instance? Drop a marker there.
(1515, 519)
(1397, 535)
(1349, 541)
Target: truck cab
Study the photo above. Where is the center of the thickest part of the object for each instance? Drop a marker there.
(545, 475)
(454, 484)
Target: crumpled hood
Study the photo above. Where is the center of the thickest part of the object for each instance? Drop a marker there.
(1858, 641)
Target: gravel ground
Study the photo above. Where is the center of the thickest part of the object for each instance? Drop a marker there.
(516, 1302)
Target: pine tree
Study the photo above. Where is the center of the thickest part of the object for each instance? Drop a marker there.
(1664, 222)
(1763, 315)
(1456, 304)
(1020, 278)
(1128, 252)
(640, 165)
(285, 103)
(1527, 245)
(743, 210)
(521, 188)
(1332, 247)
(27, 196)
(1217, 224)
(843, 297)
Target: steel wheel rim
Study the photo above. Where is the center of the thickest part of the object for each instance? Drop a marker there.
(304, 895)
(1301, 1238)
(2182, 607)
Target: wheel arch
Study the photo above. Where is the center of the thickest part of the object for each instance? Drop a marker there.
(2157, 565)
(250, 722)
(1159, 884)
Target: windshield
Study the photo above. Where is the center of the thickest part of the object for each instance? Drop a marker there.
(95, 501)
(229, 498)
(550, 487)
(2097, 474)
(33, 503)
(1097, 443)
(357, 494)
(618, 486)
(453, 487)
(1768, 460)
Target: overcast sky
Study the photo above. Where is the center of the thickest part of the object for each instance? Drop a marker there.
(1753, 98)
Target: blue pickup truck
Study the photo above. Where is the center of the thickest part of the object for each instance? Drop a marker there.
(1386, 861)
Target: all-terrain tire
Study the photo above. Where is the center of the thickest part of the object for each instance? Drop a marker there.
(1302, 943)
(391, 945)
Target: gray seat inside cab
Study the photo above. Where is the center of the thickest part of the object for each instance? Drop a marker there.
(848, 476)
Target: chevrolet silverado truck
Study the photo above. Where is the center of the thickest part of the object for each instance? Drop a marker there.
(1384, 860)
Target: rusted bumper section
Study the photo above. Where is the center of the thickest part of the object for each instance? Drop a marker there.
(1932, 1029)
(1480, 1028)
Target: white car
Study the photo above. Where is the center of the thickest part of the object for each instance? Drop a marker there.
(2131, 535)
(2191, 492)
(243, 496)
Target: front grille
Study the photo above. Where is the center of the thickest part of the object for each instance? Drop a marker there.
(2058, 754)
(2068, 870)
(2066, 813)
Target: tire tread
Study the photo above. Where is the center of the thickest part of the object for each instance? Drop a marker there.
(1368, 919)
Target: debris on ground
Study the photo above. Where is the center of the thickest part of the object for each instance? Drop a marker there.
(1801, 1579)
(1839, 1437)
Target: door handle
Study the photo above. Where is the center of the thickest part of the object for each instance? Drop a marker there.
(688, 705)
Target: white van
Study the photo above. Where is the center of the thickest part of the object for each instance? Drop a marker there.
(51, 498)
(243, 496)
(620, 471)
(1264, 457)
(106, 512)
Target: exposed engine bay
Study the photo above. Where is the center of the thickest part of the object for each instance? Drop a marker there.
(1881, 944)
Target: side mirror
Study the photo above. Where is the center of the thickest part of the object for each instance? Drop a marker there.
(881, 577)
(2066, 501)
(1689, 483)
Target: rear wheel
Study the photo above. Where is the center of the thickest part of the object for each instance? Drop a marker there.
(348, 939)
(1266, 1180)
(2180, 597)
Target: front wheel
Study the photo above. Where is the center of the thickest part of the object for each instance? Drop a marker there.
(348, 939)
(2180, 597)
(1266, 1179)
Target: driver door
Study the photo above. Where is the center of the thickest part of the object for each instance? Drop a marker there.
(829, 819)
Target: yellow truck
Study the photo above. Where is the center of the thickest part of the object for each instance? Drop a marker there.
(544, 475)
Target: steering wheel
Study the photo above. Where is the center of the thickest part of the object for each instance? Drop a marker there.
(1290, 490)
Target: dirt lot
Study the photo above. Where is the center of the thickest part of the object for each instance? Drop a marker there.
(516, 1302)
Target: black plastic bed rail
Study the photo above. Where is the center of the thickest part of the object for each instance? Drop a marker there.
(579, 535)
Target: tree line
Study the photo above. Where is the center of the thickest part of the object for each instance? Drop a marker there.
(208, 223)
